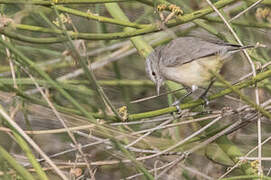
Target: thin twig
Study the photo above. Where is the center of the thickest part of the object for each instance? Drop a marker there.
(244, 11)
(31, 142)
(77, 145)
(240, 161)
(254, 74)
(184, 140)
(147, 133)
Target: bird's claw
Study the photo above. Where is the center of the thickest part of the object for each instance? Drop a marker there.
(206, 101)
(177, 105)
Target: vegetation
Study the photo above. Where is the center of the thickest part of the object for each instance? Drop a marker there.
(75, 97)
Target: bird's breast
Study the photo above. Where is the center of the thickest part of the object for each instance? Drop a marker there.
(196, 72)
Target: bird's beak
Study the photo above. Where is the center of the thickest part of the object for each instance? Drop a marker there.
(158, 85)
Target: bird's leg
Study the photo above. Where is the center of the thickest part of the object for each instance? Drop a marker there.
(178, 102)
(203, 95)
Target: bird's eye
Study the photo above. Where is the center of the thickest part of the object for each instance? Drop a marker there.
(153, 73)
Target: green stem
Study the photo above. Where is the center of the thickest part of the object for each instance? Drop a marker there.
(73, 84)
(109, 36)
(15, 165)
(240, 23)
(50, 2)
(259, 77)
(92, 16)
(242, 96)
(247, 177)
(23, 60)
(32, 159)
(89, 73)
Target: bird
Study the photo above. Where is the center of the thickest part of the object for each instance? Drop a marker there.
(189, 61)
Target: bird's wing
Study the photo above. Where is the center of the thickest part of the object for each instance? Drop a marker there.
(186, 49)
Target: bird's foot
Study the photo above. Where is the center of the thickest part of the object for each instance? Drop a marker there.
(205, 99)
(177, 105)
(178, 102)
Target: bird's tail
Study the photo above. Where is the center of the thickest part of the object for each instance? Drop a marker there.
(236, 48)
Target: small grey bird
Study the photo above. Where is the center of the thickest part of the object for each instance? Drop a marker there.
(188, 61)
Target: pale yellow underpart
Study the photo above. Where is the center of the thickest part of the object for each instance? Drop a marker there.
(194, 73)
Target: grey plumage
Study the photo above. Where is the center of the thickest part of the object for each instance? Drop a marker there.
(188, 60)
(191, 48)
